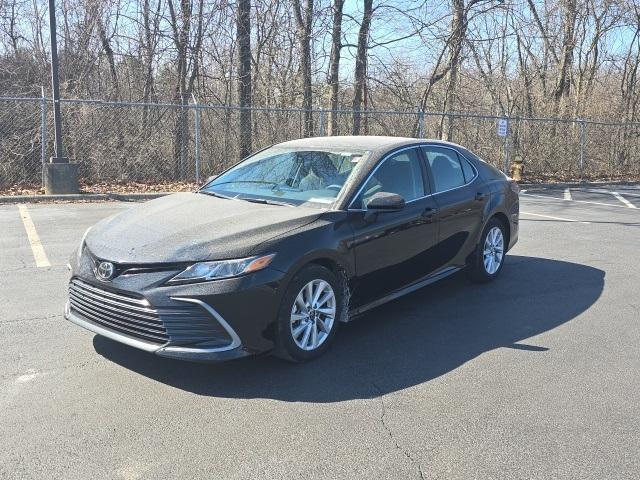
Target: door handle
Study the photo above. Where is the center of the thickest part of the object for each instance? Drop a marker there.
(480, 196)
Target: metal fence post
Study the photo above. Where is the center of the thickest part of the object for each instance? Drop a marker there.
(43, 132)
(582, 145)
(197, 136)
(506, 147)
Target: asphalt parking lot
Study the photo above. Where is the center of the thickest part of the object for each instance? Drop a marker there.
(536, 375)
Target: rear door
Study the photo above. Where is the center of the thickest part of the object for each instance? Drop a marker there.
(460, 197)
(392, 248)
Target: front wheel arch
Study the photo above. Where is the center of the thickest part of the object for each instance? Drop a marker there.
(285, 346)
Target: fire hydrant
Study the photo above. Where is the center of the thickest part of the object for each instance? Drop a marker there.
(517, 169)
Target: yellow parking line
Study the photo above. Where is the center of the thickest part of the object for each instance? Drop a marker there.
(36, 245)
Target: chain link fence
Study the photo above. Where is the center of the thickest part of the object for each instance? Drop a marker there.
(135, 142)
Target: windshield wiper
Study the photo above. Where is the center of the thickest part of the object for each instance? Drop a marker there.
(262, 182)
(214, 194)
(265, 201)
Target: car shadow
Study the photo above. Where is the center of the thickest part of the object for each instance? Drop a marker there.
(401, 344)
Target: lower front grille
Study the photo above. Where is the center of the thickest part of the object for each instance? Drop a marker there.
(134, 316)
(125, 314)
(189, 324)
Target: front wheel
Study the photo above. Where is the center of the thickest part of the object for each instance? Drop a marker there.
(309, 313)
(488, 258)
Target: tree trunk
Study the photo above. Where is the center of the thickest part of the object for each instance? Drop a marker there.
(334, 65)
(361, 65)
(566, 60)
(458, 33)
(303, 25)
(108, 51)
(244, 74)
(148, 46)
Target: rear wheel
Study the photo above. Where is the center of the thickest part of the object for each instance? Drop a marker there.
(488, 258)
(309, 313)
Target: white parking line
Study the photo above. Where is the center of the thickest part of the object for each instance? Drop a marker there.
(554, 218)
(623, 200)
(548, 197)
(36, 245)
(567, 194)
(601, 190)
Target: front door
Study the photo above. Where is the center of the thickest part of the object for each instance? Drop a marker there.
(392, 249)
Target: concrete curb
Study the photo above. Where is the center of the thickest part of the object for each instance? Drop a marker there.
(83, 197)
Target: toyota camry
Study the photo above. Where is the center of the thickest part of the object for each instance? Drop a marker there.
(276, 252)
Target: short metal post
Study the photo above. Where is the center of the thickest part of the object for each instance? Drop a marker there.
(321, 123)
(582, 146)
(197, 136)
(43, 132)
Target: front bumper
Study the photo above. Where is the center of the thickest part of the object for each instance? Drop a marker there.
(207, 321)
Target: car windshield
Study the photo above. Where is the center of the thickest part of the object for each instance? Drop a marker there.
(296, 176)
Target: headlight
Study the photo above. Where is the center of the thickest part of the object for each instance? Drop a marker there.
(205, 271)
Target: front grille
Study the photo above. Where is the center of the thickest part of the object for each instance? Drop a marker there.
(126, 314)
(134, 316)
(136, 268)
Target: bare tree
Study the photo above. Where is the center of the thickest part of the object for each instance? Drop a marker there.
(304, 22)
(244, 74)
(334, 65)
(563, 83)
(360, 76)
(187, 45)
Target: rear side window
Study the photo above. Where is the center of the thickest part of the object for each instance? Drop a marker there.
(467, 169)
(446, 168)
(400, 173)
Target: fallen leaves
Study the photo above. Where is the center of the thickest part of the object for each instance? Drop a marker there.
(109, 187)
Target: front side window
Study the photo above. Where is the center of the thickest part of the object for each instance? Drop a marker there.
(289, 175)
(400, 173)
(446, 169)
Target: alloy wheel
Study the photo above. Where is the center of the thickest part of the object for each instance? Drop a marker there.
(313, 315)
(493, 251)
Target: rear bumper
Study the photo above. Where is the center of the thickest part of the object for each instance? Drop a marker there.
(191, 353)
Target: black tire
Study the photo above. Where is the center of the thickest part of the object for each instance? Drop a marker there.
(285, 345)
(476, 270)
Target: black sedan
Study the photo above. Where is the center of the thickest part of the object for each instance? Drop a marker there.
(277, 251)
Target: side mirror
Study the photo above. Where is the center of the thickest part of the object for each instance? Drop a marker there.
(382, 201)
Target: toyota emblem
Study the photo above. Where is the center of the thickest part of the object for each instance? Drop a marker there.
(105, 271)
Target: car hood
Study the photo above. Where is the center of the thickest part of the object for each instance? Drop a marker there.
(187, 227)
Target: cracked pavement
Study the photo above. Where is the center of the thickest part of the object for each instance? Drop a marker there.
(536, 375)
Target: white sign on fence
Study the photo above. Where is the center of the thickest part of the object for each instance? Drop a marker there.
(503, 127)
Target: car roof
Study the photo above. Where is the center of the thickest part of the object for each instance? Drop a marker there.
(363, 142)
